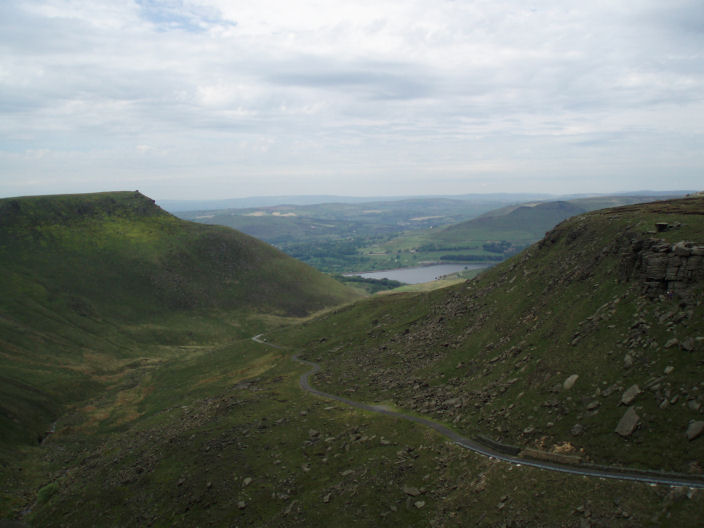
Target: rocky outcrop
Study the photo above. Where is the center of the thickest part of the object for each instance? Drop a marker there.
(664, 268)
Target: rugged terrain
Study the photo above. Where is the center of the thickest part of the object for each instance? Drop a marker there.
(586, 345)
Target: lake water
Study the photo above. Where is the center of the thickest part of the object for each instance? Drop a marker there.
(419, 274)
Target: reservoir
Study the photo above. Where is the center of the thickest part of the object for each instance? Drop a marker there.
(419, 274)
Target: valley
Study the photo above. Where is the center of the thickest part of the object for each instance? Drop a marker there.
(359, 237)
(133, 393)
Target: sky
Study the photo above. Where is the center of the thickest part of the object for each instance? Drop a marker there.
(225, 98)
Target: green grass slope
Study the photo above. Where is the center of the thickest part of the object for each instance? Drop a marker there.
(94, 288)
(604, 296)
(218, 432)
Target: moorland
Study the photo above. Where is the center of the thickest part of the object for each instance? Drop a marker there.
(133, 393)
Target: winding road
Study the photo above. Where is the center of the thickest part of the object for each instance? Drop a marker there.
(648, 477)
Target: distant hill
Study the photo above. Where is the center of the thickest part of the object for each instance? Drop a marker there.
(495, 234)
(522, 223)
(90, 282)
(273, 201)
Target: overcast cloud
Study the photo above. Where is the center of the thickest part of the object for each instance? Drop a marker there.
(220, 98)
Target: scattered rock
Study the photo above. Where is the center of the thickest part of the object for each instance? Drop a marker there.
(412, 491)
(672, 342)
(529, 429)
(419, 504)
(694, 405)
(669, 369)
(631, 393)
(246, 482)
(241, 505)
(569, 382)
(628, 423)
(593, 405)
(688, 344)
(326, 499)
(577, 429)
(694, 430)
(628, 361)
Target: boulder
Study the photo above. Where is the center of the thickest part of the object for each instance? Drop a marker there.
(631, 393)
(628, 423)
(694, 430)
(569, 382)
(593, 405)
(688, 344)
(412, 491)
(672, 342)
(694, 405)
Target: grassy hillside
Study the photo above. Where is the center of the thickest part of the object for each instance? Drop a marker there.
(96, 290)
(215, 430)
(605, 297)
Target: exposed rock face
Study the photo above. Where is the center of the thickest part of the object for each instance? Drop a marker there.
(628, 423)
(665, 268)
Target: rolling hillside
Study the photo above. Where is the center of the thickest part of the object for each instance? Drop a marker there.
(587, 343)
(196, 424)
(94, 289)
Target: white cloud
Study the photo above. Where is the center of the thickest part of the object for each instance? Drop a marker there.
(391, 92)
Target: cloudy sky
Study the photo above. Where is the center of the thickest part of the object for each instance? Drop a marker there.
(230, 98)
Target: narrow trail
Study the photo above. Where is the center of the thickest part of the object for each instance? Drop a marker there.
(588, 470)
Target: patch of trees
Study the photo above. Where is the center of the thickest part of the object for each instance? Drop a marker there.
(497, 247)
(371, 285)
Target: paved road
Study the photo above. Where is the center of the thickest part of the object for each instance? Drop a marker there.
(649, 477)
